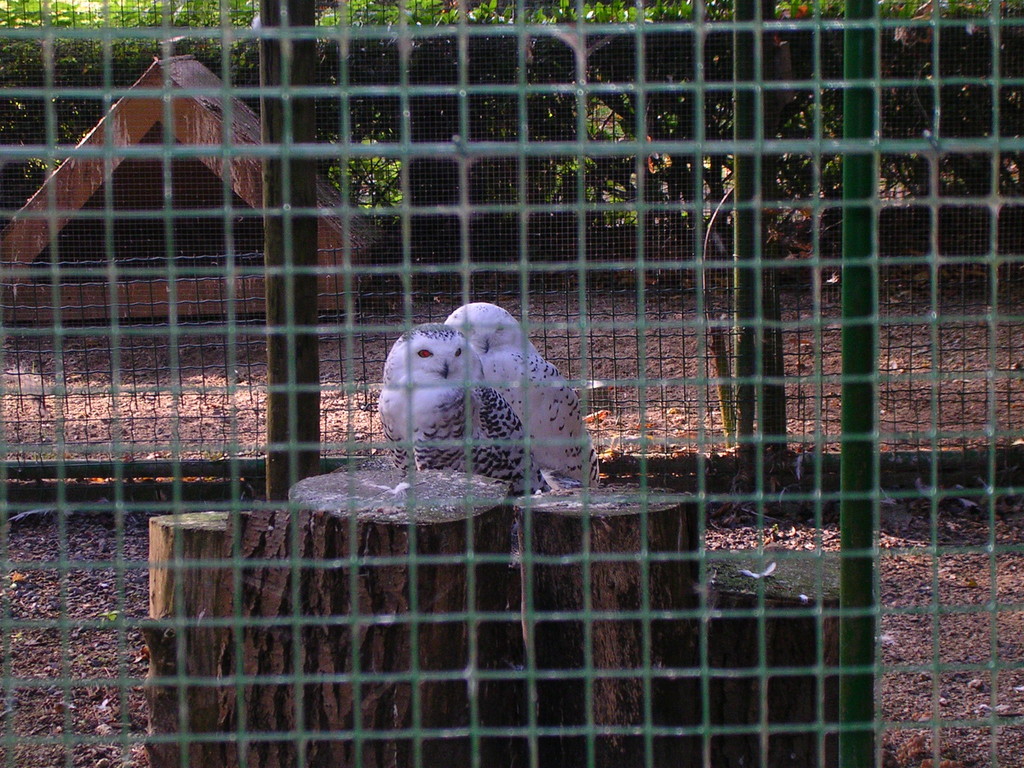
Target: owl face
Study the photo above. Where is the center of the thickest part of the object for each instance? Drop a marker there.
(488, 326)
(430, 354)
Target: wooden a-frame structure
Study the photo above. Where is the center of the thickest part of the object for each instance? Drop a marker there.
(111, 176)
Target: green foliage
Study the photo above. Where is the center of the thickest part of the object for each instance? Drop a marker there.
(125, 13)
(374, 181)
(491, 12)
(611, 182)
(76, 66)
(375, 13)
(440, 13)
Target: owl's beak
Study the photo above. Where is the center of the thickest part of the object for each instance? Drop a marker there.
(444, 371)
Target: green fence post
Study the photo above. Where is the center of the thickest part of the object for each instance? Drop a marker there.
(859, 406)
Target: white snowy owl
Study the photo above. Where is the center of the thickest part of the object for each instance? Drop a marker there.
(423, 405)
(543, 400)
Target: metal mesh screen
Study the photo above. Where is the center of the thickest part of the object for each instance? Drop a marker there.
(579, 165)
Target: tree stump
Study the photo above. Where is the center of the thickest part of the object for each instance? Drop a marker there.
(187, 584)
(381, 620)
(796, 635)
(380, 626)
(605, 552)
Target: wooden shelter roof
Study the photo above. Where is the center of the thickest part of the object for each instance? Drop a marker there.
(194, 118)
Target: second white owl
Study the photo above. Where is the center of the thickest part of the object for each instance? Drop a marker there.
(548, 407)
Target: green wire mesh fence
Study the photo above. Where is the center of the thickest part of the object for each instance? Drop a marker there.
(656, 191)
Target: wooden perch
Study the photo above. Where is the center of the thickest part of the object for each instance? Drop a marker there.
(609, 528)
(185, 583)
(786, 608)
(369, 638)
(358, 625)
(601, 540)
(409, 572)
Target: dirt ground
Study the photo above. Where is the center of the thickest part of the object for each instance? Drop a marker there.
(951, 646)
(950, 373)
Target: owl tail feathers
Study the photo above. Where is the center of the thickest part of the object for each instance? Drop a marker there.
(595, 468)
(559, 481)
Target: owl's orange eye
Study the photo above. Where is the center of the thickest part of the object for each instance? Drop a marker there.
(425, 353)
(458, 352)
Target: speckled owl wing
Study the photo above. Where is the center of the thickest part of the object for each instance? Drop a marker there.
(562, 445)
(501, 452)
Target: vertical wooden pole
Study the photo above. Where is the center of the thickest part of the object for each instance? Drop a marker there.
(775, 66)
(290, 246)
(747, 171)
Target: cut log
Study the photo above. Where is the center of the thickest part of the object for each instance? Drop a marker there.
(397, 627)
(607, 552)
(793, 609)
(376, 623)
(187, 583)
(381, 627)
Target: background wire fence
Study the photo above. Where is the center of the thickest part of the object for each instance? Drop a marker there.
(576, 168)
(544, 216)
